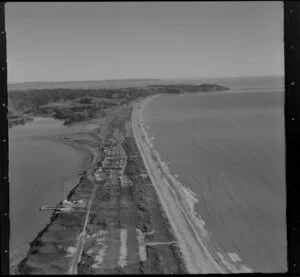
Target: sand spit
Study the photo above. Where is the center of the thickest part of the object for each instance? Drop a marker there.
(178, 203)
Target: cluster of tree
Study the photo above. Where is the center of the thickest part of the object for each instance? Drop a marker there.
(16, 118)
(80, 104)
(33, 99)
(85, 100)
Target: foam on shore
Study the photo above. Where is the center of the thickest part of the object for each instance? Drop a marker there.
(185, 200)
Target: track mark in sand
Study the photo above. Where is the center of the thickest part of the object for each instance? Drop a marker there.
(123, 248)
(144, 175)
(148, 185)
(142, 245)
(102, 251)
(234, 267)
(125, 181)
(161, 243)
(71, 251)
(234, 257)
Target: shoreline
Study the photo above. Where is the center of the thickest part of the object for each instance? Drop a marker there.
(88, 155)
(176, 201)
(170, 190)
(86, 164)
(172, 197)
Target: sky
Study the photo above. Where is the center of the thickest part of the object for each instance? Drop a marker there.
(118, 40)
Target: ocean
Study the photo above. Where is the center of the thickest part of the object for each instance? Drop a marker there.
(41, 172)
(228, 148)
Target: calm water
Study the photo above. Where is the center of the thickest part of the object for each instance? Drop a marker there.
(228, 148)
(41, 173)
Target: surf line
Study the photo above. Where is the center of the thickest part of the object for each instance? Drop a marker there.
(176, 191)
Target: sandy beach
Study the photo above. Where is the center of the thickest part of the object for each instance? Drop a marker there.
(177, 202)
(230, 168)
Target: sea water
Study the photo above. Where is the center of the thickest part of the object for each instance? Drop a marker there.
(41, 172)
(228, 148)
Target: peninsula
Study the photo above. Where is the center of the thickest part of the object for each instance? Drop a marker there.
(125, 216)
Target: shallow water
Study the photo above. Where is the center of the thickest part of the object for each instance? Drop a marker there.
(228, 148)
(41, 173)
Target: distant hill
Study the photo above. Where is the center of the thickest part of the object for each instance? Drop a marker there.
(181, 88)
(231, 82)
(117, 83)
(85, 101)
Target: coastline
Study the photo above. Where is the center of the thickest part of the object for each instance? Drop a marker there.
(88, 154)
(190, 228)
(70, 186)
(175, 200)
(123, 203)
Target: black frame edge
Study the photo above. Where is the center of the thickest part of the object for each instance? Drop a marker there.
(292, 127)
(4, 199)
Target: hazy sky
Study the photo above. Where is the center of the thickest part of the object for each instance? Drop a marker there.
(95, 41)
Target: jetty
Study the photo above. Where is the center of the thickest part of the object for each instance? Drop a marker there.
(65, 206)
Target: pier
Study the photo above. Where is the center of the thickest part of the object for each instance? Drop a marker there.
(65, 206)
